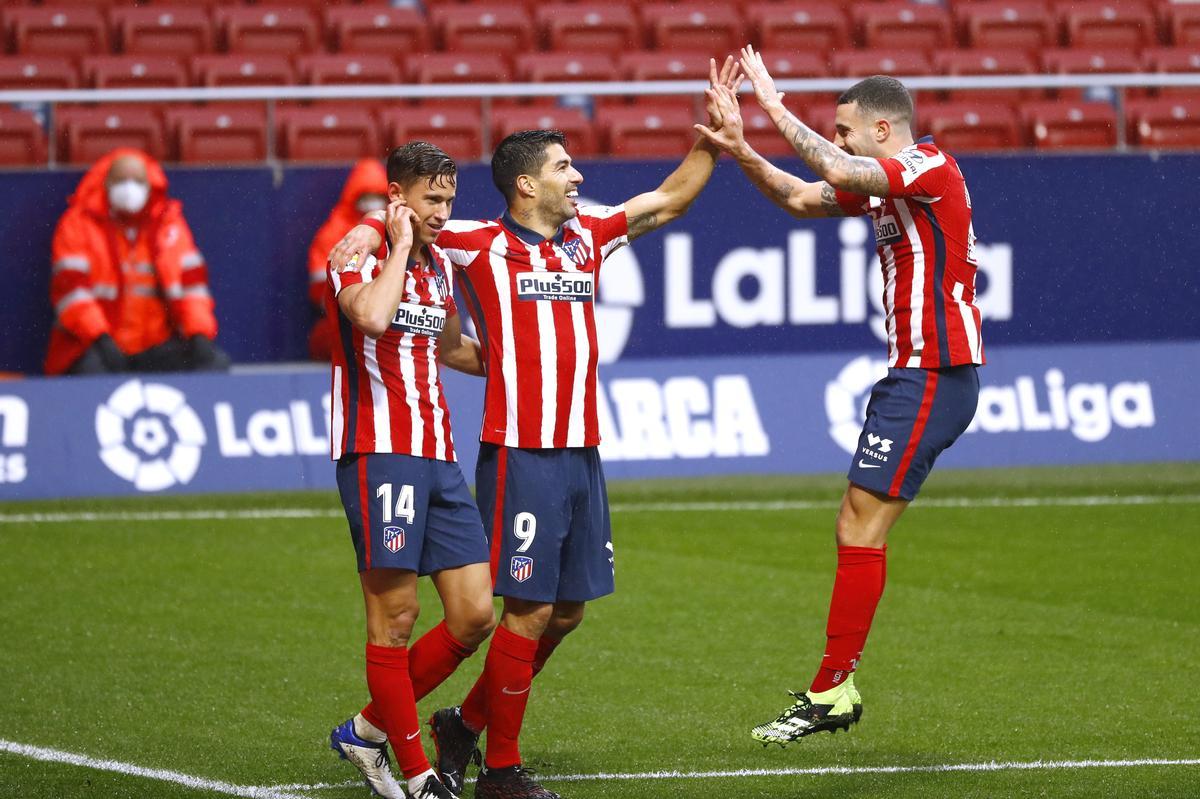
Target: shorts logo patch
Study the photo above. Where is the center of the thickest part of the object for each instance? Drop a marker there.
(521, 568)
(884, 444)
(393, 538)
(874, 443)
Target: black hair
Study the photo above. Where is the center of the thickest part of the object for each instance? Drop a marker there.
(419, 159)
(880, 94)
(521, 153)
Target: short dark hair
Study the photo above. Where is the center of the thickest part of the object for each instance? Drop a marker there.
(521, 153)
(419, 159)
(880, 94)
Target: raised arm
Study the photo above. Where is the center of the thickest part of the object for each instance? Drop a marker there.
(371, 306)
(361, 241)
(459, 352)
(837, 167)
(798, 197)
(652, 210)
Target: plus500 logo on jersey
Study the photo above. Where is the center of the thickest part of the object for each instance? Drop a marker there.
(556, 286)
(419, 320)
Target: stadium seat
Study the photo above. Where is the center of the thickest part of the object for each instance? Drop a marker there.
(581, 136)
(1082, 61)
(564, 67)
(664, 66)
(799, 28)
(966, 127)
(323, 69)
(456, 129)
(229, 69)
(986, 62)
(715, 29)
(902, 25)
(457, 68)
(1182, 23)
(862, 63)
(376, 29)
(31, 72)
(170, 30)
(316, 133)
(68, 30)
(504, 29)
(766, 139)
(1164, 123)
(590, 27)
(223, 134)
(22, 142)
(646, 132)
(1173, 59)
(1101, 23)
(133, 71)
(1059, 124)
(1025, 24)
(266, 29)
(86, 133)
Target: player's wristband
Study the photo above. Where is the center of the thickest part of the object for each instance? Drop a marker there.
(375, 225)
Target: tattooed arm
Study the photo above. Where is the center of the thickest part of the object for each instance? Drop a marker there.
(832, 164)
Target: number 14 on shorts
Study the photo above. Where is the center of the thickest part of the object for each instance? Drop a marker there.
(405, 507)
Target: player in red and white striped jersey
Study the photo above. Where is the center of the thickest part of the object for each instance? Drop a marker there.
(409, 509)
(917, 198)
(529, 278)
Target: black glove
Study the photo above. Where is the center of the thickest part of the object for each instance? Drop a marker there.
(205, 355)
(110, 354)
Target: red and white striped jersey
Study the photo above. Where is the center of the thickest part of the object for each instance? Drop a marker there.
(533, 302)
(927, 251)
(387, 393)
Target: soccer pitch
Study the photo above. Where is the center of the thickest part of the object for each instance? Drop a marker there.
(1038, 637)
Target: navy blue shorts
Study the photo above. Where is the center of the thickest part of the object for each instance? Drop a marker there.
(913, 415)
(546, 513)
(410, 513)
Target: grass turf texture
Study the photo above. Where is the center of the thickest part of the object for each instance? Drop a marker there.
(226, 649)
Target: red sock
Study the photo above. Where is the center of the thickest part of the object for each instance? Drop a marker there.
(433, 658)
(392, 697)
(508, 673)
(856, 591)
(474, 707)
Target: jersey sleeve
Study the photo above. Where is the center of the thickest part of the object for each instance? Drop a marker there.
(609, 227)
(917, 172)
(350, 276)
(853, 204)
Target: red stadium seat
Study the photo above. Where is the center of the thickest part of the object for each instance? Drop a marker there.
(504, 29)
(377, 29)
(1173, 59)
(71, 30)
(986, 62)
(710, 28)
(171, 30)
(590, 27)
(134, 71)
(564, 67)
(664, 66)
(1164, 123)
(458, 130)
(1026, 24)
(22, 141)
(1082, 61)
(457, 68)
(266, 29)
(903, 25)
(222, 134)
(230, 69)
(581, 137)
(1059, 124)
(646, 132)
(86, 133)
(1182, 21)
(861, 63)
(1100, 23)
(324, 69)
(964, 127)
(796, 28)
(766, 139)
(30, 72)
(316, 133)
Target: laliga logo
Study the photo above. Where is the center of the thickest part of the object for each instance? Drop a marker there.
(846, 400)
(621, 292)
(149, 436)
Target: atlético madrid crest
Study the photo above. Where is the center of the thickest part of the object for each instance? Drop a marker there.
(393, 538)
(521, 568)
(576, 250)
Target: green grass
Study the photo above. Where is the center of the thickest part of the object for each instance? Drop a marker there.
(226, 649)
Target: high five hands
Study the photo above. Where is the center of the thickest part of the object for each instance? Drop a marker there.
(725, 128)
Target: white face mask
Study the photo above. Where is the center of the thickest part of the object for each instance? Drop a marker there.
(128, 196)
(369, 204)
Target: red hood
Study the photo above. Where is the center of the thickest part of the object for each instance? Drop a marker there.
(367, 177)
(91, 195)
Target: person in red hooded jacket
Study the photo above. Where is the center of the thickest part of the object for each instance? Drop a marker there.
(365, 190)
(129, 288)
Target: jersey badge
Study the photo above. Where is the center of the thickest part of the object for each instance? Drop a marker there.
(521, 568)
(577, 251)
(393, 539)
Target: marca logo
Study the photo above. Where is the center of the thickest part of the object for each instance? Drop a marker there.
(420, 320)
(14, 434)
(149, 435)
(556, 286)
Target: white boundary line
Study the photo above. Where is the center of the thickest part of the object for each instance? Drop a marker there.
(620, 507)
(162, 775)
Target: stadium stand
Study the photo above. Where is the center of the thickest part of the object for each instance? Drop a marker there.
(703, 27)
(324, 69)
(22, 142)
(37, 72)
(229, 69)
(266, 29)
(87, 133)
(1165, 122)
(458, 130)
(170, 30)
(799, 27)
(329, 132)
(1059, 124)
(65, 30)
(903, 25)
(589, 27)
(376, 29)
(133, 71)
(219, 133)
(503, 28)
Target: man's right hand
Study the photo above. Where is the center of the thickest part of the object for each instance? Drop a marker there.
(400, 221)
(356, 245)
